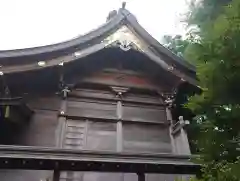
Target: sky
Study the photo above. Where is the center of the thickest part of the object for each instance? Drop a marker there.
(32, 23)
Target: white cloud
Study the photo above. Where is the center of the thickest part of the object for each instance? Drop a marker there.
(30, 23)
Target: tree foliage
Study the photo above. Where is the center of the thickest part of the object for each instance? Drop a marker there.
(202, 13)
(216, 54)
(176, 44)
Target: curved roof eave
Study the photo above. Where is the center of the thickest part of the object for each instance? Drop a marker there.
(123, 15)
(108, 26)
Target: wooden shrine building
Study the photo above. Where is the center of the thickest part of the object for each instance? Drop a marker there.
(100, 107)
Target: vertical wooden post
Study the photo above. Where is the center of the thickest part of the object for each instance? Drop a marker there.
(61, 124)
(62, 118)
(169, 118)
(56, 175)
(119, 136)
(141, 176)
(119, 127)
(185, 143)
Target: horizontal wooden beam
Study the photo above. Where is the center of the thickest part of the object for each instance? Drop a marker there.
(133, 101)
(163, 123)
(38, 158)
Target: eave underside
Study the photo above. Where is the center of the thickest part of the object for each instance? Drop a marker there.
(76, 71)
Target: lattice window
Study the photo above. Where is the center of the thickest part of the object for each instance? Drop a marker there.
(75, 134)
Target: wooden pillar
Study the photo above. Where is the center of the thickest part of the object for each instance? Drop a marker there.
(185, 148)
(119, 127)
(56, 175)
(181, 138)
(61, 124)
(169, 118)
(62, 119)
(141, 176)
(185, 143)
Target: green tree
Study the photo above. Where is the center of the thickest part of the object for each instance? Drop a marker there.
(217, 58)
(203, 12)
(214, 47)
(176, 44)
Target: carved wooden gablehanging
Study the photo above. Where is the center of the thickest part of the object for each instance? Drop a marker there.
(125, 39)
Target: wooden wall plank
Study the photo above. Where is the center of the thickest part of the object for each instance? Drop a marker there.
(46, 103)
(41, 129)
(142, 98)
(146, 138)
(88, 93)
(92, 109)
(121, 79)
(25, 175)
(144, 113)
(102, 136)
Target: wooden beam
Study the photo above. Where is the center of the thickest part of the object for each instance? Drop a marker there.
(74, 117)
(37, 158)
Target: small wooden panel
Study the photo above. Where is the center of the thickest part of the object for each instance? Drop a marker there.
(130, 177)
(91, 176)
(90, 135)
(101, 136)
(25, 175)
(141, 138)
(142, 98)
(75, 134)
(41, 129)
(71, 176)
(97, 176)
(87, 93)
(144, 113)
(157, 177)
(45, 103)
(92, 109)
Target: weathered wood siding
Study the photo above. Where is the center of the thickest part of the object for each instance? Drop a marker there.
(144, 128)
(135, 112)
(88, 108)
(140, 138)
(44, 102)
(95, 120)
(40, 131)
(25, 175)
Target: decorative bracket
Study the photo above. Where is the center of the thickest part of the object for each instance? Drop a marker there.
(125, 45)
(65, 92)
(168, 99)
(119, 90)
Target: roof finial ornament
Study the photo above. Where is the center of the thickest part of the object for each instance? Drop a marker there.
(111, 15)
(123, 5)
